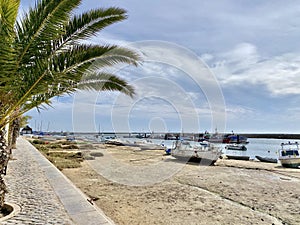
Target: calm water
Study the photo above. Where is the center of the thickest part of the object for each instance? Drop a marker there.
(256, 146)
(265, 147)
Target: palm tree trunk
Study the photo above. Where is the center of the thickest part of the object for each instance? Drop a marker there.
(14, 129)
(4, 157)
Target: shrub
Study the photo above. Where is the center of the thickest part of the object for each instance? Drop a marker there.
(70, 146)
(64, 160)
(39, 142)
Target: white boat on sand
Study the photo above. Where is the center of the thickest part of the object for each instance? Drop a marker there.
(143, 144)
(207, 155)
(289, 155)
(149, 145)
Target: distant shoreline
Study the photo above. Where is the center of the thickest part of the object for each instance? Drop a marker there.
(274, 136)
(195, 135)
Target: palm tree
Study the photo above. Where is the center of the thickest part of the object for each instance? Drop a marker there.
(43, 55)
(14, 129)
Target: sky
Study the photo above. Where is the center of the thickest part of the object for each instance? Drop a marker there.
(225, 64)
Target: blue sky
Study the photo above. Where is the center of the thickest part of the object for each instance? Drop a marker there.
(251, 48)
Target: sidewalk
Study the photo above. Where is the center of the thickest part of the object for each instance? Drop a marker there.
(44, 194)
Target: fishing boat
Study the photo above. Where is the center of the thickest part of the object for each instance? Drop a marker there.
(113, 141)
(235, 138)
(207, 155)
(224, 138)
(289, 155)
(215, 138)
(266, 159)
(236, 147)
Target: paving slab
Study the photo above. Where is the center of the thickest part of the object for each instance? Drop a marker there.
(45, 195)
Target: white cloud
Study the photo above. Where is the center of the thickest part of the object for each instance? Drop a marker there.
(250, 45)
(244, 66)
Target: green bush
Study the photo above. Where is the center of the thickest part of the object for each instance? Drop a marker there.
(70, 146)
(65, 142)
(64, 160)
(39, 142)
(42, 148)
(54, 146)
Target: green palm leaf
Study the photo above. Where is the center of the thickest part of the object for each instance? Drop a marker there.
(8, 14)
(47, 58)
(42, 24)
(89, 23)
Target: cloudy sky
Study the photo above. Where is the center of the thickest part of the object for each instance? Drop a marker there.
(230, 64)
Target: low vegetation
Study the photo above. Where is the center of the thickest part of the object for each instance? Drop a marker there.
(56, 153)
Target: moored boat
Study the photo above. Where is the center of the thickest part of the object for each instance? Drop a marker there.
(236, 147)
(207, 155)
(266, 159)
(289, 155)
(151, 146)
(235, 138)
(224, 138)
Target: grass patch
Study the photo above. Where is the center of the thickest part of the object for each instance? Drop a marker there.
(38, 142)
(63, 160)
(54, 153)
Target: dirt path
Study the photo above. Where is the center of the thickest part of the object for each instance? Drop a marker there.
(223, 194)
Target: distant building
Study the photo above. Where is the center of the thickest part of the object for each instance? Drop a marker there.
(26, 130)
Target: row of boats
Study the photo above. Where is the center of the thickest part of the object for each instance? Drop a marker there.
(224, 138)
(208, 153)
(288, 154)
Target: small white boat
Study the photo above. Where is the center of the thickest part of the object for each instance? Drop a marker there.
(236, 147)
(142, 144)
(289, 155)
(114, 141)
(149, 145)
(207, 154)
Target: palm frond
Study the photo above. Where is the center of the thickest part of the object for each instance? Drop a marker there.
(105, 82)
(88, 24)
(88, 57)
(43, 56)
(43, 23)
(8, 14)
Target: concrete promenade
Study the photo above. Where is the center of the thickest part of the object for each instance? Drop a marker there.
(44, 195)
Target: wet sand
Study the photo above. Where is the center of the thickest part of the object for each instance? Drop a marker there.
(231, 192)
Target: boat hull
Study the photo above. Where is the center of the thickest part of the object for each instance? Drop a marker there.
(236, 147)
(151, 147)
(290, 162)
(202, 160)
(238, 157)
(205, 155)
(289, 155)
(266, 159)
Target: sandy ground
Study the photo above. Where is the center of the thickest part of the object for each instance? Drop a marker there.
(232, 192)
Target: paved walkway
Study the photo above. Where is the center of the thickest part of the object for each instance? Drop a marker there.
(44, 194)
